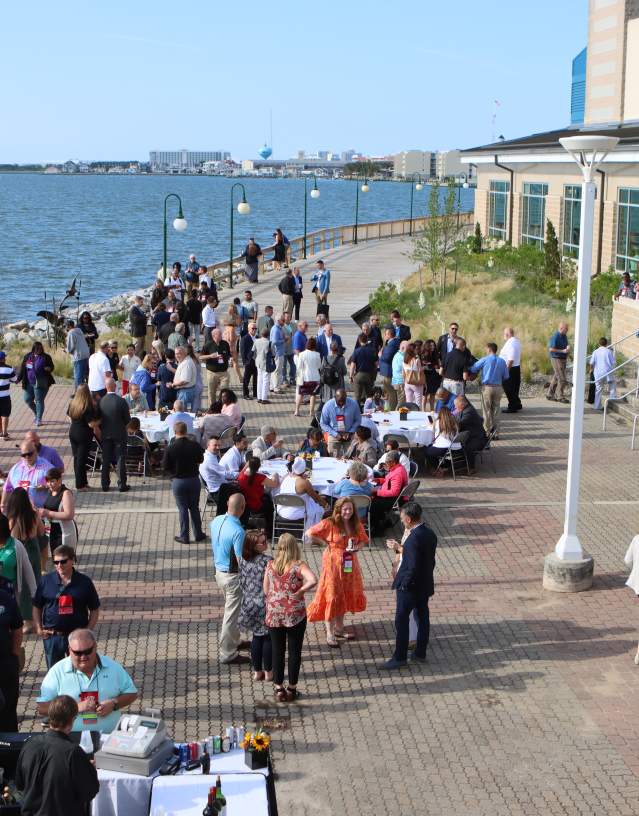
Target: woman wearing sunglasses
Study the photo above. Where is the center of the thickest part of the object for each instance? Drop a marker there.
(64, 600)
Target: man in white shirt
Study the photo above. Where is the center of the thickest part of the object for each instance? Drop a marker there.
(178, 414)
(128, 365)
(212, 471)
(602, 361)
(185, 377)
(209, 318)
(235, 458)
(511, 354)
(99, 370)
(174, 280)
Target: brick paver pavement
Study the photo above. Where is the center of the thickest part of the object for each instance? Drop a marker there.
(528, 702)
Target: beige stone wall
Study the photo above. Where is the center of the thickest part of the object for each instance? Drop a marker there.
(631, 89)
(481, 210)
(625, 320)
(606, 61)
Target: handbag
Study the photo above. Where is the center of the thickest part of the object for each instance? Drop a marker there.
(413, 377)
(270, 361)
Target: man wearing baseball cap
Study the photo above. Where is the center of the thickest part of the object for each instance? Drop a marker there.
(7, 376)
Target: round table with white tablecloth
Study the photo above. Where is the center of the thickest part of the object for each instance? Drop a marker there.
(154, 427)
(415, 426)
(326, 471)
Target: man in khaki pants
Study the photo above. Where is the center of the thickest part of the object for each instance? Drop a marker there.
(216, 353)
(227, 540)
(494, 371)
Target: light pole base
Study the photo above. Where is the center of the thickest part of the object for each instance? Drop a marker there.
(568, 576)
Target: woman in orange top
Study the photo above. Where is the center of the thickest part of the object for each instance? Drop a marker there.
(341, 588)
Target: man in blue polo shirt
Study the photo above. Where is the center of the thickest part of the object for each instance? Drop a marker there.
(558, 349)
(64, 600)
(100, 685)
(494, 372)
(227, 540)
(340, 419)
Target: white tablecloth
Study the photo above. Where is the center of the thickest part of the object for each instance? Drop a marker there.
(187, 795)
(325, 469)
(128, 794)
(154, 428)
(416, 427)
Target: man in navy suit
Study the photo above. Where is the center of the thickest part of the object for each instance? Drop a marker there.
(325, 339)
(414, 585)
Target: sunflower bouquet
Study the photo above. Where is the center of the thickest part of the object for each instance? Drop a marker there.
(256, 747)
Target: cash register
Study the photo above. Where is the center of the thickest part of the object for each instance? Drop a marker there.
(139, 744)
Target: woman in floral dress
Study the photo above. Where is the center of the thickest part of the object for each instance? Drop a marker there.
(341, 588)
(253, 610)
(286, 580)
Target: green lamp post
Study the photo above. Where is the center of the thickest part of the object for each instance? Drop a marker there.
(244, 209)
(414, 186)
(179, 224)
(365, 189)
(315, 193)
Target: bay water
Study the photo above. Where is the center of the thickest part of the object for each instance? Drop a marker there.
(107, 230)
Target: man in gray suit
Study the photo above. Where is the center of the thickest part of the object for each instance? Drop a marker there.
(115, 416)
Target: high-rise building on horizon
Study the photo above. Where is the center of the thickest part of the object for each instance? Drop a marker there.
(410, 162)
(578, 89)
(184, 159)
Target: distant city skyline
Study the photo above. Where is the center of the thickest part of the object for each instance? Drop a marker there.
(116, 81)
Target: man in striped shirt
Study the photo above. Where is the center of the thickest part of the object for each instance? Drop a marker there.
(7, 376)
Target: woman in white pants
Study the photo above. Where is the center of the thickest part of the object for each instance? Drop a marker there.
(602, 362)
(261, 347)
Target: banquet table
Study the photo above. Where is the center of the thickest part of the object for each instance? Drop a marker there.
(416, 427)
(245, 794)
(123, 794)
(326, 472)
(154, 427)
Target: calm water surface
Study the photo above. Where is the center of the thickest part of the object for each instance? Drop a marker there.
(107, 230)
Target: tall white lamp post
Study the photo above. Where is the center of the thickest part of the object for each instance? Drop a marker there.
(567, 569)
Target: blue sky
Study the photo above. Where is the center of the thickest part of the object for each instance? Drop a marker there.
(102, 79)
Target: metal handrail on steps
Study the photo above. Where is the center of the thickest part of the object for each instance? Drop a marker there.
(632, 392)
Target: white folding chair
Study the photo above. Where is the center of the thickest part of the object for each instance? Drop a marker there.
(363, 502)
(282, 525)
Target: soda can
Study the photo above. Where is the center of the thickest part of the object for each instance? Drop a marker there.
(209, 744)
(230, 733)
(239, 735)
(183, 753)
(217, 744)
(194, 751)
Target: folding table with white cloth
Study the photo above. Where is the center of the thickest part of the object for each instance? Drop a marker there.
(155, 428)
(416, 426)
(245, 794)
(123, 794)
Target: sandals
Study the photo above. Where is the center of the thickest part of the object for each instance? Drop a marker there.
(343, 635)
(280, 694)
(258, 676)
(291, 694)
(332, 642)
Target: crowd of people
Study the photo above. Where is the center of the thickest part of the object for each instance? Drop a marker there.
(188, 358)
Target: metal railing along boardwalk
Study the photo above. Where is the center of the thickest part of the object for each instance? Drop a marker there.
(325, 239)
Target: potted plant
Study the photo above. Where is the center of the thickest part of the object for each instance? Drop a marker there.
(256, 749)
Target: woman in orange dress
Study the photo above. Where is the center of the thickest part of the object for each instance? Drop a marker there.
(229, 334)
(341, 588)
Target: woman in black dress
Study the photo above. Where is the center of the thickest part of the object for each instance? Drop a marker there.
(59, 511)
(89, 330)
(431, 363)
(85, 421)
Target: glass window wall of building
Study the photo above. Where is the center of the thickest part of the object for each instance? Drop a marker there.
(628, 230)
(572, 220)
(498, 209)
(533, 212)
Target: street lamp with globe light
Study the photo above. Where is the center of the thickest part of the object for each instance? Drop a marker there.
(179, 224)
(365, 189)
(243, 208)
(568, 569)
(414, 186)
(315, 193)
